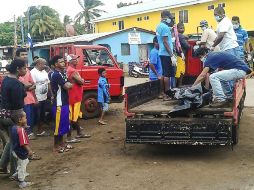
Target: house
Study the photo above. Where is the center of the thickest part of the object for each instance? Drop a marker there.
(147, 15)
(129, 45)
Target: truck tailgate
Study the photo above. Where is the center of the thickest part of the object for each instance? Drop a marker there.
(192, 131)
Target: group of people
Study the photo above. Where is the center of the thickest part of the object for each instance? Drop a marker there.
(222, 53)
(27, 95)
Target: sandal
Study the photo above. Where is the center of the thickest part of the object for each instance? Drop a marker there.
(73, 141)
(102, 122)
(14, 178)
(43, 134)
(34, 157)
(68, 147)
(83, 136)
(4, 171)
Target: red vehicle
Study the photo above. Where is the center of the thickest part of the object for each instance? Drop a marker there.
(91, 58)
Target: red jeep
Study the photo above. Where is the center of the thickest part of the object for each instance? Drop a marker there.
(91, 58)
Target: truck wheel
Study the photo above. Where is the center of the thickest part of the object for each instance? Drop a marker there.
(90, 107)
(2, 141)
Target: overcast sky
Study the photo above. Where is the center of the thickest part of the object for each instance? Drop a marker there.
(64, 7)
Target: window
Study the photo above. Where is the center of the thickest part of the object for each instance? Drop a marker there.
(221, 5)
(210, 7)
(125, 49)
(97, 57)
(139, 19)
(183, 16)
(146, 18)
(121, 25)
(114, 23)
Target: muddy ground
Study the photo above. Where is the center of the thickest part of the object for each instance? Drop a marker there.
(104, 162)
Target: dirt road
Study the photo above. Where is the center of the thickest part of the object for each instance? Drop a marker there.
(104, 162)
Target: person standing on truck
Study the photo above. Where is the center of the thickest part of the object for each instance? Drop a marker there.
(233, 69)
(242, 38)
(166, 53)
(226, 37)
(30, 99)
(181, 54)
(208, 36)
(155, 68)
(40, 77)
(60, 86)
(103, 94)
(75, 98)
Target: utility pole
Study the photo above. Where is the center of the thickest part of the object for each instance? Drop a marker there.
(22, 30)
(15, 38)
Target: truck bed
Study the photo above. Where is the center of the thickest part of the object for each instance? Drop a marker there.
(158, 106)
(148, 119)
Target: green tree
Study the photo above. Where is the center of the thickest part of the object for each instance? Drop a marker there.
(44, 22)
(6, 33)
(90, 12)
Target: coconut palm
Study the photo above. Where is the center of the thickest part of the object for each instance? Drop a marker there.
(90, 12)
(45, 22)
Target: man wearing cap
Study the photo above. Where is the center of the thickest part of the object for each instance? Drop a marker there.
(208, 36)
(168, 60)
(233, 69)
(75, 96)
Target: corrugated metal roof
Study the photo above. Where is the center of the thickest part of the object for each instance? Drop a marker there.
(65, 40)
(155, 5)
(87, 37)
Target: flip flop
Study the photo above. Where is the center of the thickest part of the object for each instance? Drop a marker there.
(83, 136)
(68, 147)
(102, 123)
(43, 134)
(73, 141)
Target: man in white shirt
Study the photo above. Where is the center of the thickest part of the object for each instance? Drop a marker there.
(41, 80)
(226, 37)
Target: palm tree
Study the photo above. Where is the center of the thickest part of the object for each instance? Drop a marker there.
(89, 13)
(45, 21)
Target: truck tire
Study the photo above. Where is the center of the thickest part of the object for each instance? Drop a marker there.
(3, 141)
(90, 107)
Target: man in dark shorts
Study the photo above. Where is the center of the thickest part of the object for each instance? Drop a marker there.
(168, 60)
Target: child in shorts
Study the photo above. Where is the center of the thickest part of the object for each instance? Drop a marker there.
(103, 94)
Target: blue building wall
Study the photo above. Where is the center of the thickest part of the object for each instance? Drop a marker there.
(115, 41)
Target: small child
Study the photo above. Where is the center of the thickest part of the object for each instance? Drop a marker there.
(20, 147)
(103, 94)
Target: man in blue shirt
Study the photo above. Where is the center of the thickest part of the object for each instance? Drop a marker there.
(168, 60)
(233, 69)
(242, 37)
(155, 69)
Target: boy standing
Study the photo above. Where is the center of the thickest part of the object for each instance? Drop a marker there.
(20, 145)
(60, 87)
(103, 94)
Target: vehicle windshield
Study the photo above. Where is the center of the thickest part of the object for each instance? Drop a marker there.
(98, 57)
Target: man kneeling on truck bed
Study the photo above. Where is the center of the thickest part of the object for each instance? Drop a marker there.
(232, 67)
